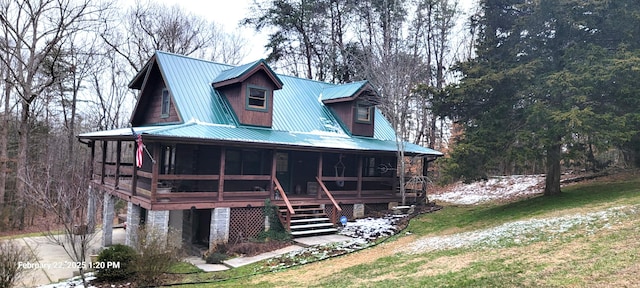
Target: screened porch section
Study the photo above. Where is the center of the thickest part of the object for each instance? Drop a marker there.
(183, 176)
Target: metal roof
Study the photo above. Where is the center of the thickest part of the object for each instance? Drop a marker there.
(342, 91)
(235, 71)
(299, 116)
(214, 132)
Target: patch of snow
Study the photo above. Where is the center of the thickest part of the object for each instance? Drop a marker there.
(495, 188)
(370, 229)
(523, 232)
(75, 282)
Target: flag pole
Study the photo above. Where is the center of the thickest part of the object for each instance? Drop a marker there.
(144, 147)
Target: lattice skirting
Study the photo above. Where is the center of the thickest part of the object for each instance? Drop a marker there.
(245, 223)
(347, 210)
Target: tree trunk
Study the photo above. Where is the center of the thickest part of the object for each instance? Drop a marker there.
(23, 148)
(552, 180)
(4, 139)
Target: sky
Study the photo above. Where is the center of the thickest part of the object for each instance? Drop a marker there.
(228, 13)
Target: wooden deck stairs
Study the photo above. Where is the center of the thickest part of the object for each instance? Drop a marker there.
(308, 220)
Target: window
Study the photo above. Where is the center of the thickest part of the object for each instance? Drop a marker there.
(246, 162)
(257, 98)
(166, 101)
(168, 159)
(363, 113)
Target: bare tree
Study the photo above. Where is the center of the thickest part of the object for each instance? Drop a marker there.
(149, 26)
(35, 29)
(64, 192)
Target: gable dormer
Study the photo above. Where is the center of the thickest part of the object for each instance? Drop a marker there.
(354, 103)
(249, 89)
(155, 103)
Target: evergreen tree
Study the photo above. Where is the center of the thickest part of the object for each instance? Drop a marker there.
(550, 77)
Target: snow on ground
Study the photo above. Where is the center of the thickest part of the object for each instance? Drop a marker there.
(525, 231)
(496, 188)
(370, 229)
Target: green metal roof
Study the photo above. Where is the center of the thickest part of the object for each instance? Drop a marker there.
(241, 70)
(299, 116)
(214, 132)
(342, 91)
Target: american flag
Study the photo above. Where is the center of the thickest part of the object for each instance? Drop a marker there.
(139, 151)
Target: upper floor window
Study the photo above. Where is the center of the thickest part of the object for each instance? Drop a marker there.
(166, 101)
(363, 112)
(257, 98)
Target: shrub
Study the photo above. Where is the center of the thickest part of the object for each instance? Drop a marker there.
(276, 229)
(215, 258)
(216, 254)
(11, 255)
(118, 253)
(158, 252)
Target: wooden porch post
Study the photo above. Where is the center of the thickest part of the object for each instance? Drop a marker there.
(134, 177)
(104, 160)
(319, 172)
(118, 157)
(223, 156)
(359, 185)
(274, 166)
(155, 171)
(92, 144)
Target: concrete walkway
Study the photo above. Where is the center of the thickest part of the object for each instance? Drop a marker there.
(53, 264)
(241, 261)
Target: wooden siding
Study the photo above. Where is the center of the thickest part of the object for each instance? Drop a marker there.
(236, 95)
(346, 112)
(149, 109)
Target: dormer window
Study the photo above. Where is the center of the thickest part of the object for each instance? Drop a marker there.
(257, 98)
(166, 101)
(363, 113)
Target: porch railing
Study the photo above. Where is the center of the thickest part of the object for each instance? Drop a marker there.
(290, 211)
(336, 206)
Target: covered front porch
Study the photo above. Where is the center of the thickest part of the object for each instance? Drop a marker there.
(178, 176)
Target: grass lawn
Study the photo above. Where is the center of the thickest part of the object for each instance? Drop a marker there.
(599, 254)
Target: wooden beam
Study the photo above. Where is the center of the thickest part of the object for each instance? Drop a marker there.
(318, 194)
(118, 157)
(359, 185)
(274, 166)
(223, 156)
(188, 177)
(134, 175)
(155, 170)
(103, 171)
(92, 144)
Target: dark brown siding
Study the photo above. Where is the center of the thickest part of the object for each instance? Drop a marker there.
(149, 108)
(346, 112)
(363, 129)
(236, 95)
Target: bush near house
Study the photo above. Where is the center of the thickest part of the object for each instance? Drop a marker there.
(122, 254)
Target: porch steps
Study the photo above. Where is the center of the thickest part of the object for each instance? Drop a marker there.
(309, 220)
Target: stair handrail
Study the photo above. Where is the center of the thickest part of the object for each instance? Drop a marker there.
(284, 196)
(333, 201)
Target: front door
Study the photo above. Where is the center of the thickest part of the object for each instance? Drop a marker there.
(283, 172)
